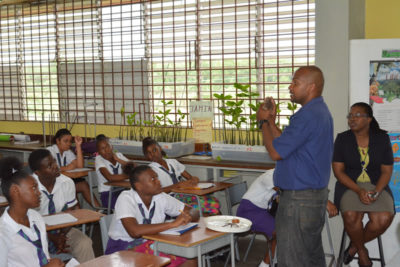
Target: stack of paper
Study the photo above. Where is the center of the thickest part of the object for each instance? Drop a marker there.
(180, 230)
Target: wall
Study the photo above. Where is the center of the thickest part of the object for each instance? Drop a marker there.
(382, 19)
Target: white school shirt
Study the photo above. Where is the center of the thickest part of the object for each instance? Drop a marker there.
(68, 155)
(165, 178)
(15, 251)
(128, 206)
(101, 162)
(261, 190)
(64, 194)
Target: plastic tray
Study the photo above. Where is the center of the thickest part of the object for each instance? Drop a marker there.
(242, 153)
(223, 223)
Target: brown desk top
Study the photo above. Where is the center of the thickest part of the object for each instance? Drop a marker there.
(127, 258)
(193, 237)
(83, 215)
(219, 186)
(3, 204)
(75, 175)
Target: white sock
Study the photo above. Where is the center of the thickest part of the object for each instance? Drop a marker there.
(263, 264)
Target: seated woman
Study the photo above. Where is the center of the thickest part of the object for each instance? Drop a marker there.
(23, 236)
(67, 160)
(142, 210)
(171, 171)
(256, 206)
(109, 166)
(363, 164)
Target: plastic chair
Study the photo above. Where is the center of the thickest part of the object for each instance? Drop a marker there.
(235, 194)
(105, 222)
(93, 184)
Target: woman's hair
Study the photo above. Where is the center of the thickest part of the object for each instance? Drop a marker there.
(11, 172)
(60, 133)
(36, 157)
(100, 138)
(374, 125)
(133, 172)
(148, 141)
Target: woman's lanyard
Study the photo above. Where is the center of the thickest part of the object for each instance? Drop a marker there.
(172, 175)
(38, 244)
(362, 160)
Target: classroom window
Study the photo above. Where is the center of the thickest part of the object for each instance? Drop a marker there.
(83, 61)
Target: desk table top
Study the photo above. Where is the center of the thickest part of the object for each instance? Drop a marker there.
(83, 215)
(191, 238)
(128, 258)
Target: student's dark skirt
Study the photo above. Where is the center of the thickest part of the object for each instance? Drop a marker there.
(262, 221)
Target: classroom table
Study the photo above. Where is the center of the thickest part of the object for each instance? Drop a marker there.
(83, 215)
(127, 258)
(193, 243)
(77, 173)
(177, 188)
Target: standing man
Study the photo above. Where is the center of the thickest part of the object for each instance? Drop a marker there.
(303, 152)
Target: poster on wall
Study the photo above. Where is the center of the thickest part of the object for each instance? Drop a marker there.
(394, 183)
(384, 93)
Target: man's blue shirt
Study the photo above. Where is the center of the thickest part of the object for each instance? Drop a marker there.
(306, 148)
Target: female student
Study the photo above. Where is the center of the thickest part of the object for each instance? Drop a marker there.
(171, 171)
(23, 237)
(142, 210)
(109, 169)
(58, 194)
(67, 160)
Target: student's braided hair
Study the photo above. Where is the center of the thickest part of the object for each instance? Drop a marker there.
(133, 172)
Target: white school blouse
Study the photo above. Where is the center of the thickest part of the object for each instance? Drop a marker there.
(68, 155)
(261, 190)
(165, 178)
(15, 251)
(64, 194)
(128, 206)
(101, 162)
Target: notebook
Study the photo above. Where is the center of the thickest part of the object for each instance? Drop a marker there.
(59, 219)
(180, 229)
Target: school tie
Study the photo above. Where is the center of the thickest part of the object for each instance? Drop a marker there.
(38, 244)
(115, 169)
(151, 214)
(59, 160)
(172, 175)
(52, 207)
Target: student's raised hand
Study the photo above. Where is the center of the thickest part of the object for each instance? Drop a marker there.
(78, 140)
(55, 263)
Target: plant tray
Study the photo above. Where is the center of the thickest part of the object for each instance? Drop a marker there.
(242, 153)
(173, 150)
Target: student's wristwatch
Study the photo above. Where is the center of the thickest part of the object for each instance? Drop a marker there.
(261, 122)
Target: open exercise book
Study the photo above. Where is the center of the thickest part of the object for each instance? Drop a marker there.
(180, 230)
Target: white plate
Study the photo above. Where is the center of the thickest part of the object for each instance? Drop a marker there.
(205, 185)
(223, 223)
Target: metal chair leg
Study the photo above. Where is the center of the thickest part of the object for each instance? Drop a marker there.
(249, 247)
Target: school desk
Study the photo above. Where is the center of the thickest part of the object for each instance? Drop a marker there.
(193, 243)
(77, 173)
(176, 188)
(84, 216)
(127, 258)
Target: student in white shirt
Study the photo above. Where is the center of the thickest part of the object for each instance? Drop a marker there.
(23, 237)
(142, 210)
(67, 160)
(58, 194)
(109, 166)
(171, 171)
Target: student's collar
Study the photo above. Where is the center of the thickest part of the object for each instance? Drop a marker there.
(138, 199)
(42, 187)
(14, 226)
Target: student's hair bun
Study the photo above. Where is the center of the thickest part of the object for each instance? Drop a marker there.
(128, 169)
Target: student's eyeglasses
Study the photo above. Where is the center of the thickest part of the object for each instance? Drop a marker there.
(356, 115)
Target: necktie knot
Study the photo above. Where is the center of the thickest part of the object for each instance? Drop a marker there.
(151, 214)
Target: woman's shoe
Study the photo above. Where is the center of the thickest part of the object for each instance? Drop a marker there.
(347, 258)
